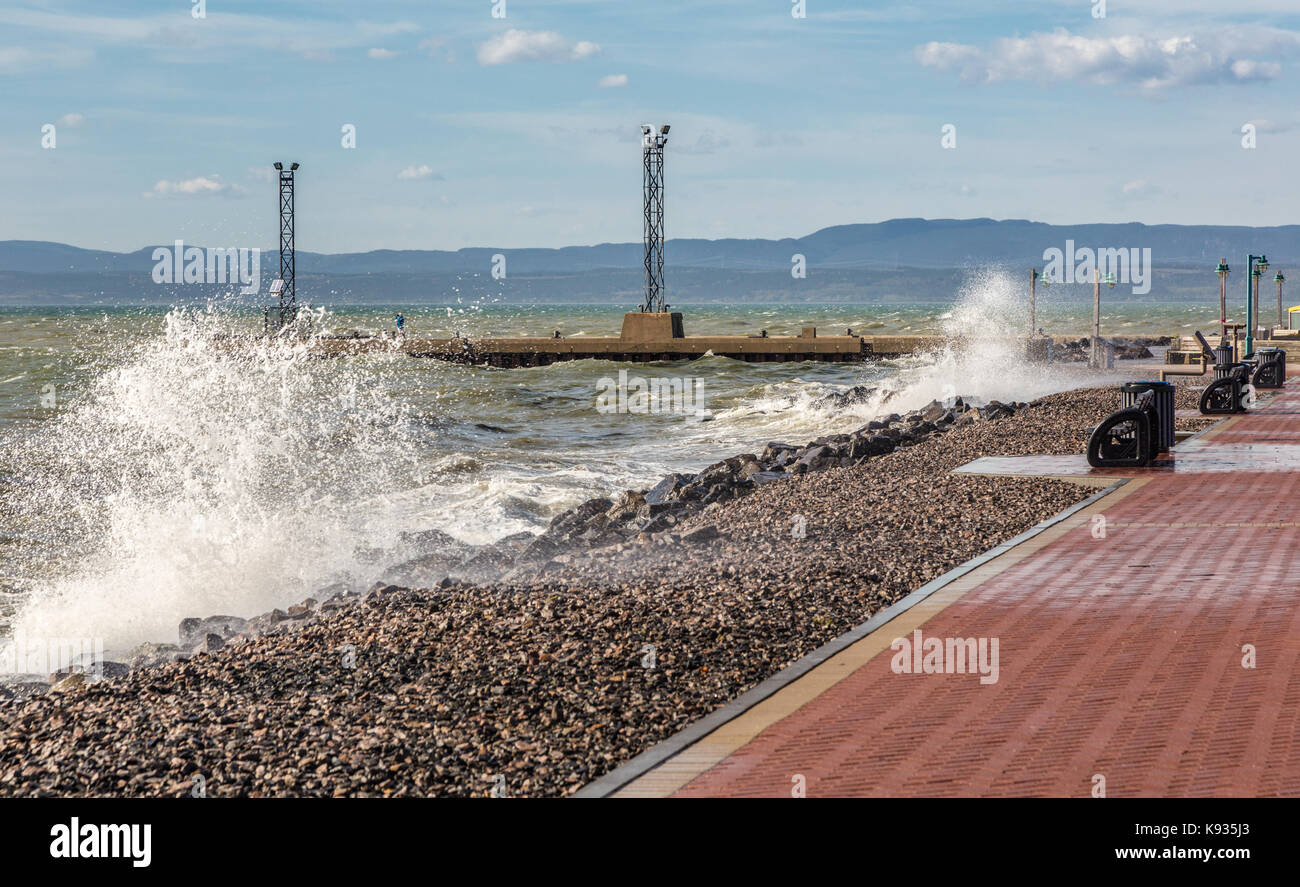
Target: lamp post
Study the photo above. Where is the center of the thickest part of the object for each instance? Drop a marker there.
(1223, 271)
(1096, 360)
(1281, 318)
(1033, 297)
(1252, 297)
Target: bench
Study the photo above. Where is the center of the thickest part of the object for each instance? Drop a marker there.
(1198, 354)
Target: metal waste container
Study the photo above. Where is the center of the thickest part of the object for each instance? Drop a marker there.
(1272, 368)
(1223, 353)
(1223, 359)
(1162, 400)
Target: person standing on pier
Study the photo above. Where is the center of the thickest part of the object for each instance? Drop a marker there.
(400, 320)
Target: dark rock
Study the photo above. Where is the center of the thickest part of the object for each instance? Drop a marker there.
(152, 655)
(305, 607)
(858, 394)
(264, 623)
(667, 488)
(719, 472)
(194, 631)
(812, 454)
(542, 548)
(932, 411)
(775, 449)
(566, 522)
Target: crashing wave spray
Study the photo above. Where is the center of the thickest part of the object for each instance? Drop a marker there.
(985, 354)
(198, 478)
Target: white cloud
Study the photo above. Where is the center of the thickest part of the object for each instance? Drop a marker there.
(1141, 189)
(423, 171)
(182, 40)
(382, 54)
(1151, 64)
(200, 185)
(18, 59)
(1273, 127)
(613, 81)
(533, 46)
(72, 120)
(707, 142)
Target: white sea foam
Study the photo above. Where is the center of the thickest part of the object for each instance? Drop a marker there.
(196, 479)
(985, 357)
(192, 478)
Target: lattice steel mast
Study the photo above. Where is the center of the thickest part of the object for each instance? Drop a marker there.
(652, 151)
(288, 287)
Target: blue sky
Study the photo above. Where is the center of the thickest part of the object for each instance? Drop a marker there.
(520, 132)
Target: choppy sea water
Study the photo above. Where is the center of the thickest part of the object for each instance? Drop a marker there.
(149, 472)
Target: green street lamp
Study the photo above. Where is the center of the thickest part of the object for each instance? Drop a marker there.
(1252, 297)
(1281, 317)
(1095, 356)
(1222, 270)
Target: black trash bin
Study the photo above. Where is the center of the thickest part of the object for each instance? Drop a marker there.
(1223, 354)
(1272, 368)
(1162, 397)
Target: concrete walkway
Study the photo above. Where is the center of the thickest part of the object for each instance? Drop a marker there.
(1147, 645)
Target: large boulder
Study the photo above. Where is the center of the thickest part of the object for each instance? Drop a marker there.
(194, 632)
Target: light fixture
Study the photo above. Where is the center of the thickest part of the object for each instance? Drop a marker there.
(1262, 264)
(1257, 273)
(1278, 278)
(279, 165)
(1222, 270)
(293, 166)
(1110, 279)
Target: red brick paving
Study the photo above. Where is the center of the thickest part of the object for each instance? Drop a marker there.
(1119, 656)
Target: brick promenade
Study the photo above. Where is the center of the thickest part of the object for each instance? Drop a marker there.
(1120, 639)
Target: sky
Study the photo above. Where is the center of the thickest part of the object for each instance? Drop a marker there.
(516, 124)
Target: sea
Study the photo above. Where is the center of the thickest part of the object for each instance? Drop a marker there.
(149, 471)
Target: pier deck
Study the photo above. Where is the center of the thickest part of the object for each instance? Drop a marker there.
(524, 352)
(1157, 657)
(644, 337)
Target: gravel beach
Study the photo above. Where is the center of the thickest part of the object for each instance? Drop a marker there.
(537, 684)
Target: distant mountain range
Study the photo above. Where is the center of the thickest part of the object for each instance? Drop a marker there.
(890, 261)
(912, 243)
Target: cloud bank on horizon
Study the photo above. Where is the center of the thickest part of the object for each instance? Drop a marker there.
(516, 124)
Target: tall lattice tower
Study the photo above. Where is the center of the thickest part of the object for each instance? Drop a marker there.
(286, 286)
(653, 140)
